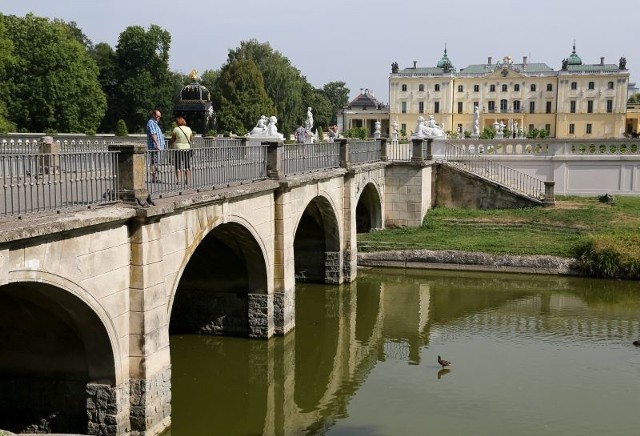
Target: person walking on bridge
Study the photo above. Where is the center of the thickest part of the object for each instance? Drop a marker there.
(181, 141)
(155, 143)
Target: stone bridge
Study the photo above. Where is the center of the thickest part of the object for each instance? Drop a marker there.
(88, 299)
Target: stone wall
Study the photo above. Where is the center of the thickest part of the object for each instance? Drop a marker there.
(151, 403)
(458, 189)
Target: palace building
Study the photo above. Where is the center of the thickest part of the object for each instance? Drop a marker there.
(577, 101)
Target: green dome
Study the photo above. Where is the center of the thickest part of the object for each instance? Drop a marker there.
(574, 59)
(445, 63)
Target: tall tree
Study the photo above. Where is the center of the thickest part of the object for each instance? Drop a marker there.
(144, 81)
(322, 109)
(338, 95)
(105, 58)
(6, 58)
(52, 83)
(240, 97)
(282, 81)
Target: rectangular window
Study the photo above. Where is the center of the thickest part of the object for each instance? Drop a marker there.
(572, 129)
(532, 107)
(572, 106)
(516, 106)
(460, 128)
(590, 106)
(610, 85)
(588, 130)
(609, 106)
(531, 127)
(503, 105)
(548, 107)
(404, 107)
(492, 106)
(549, 87)
(404, 87)
(421, 87)
(504, 88)
(436, 107)
(476, 88)
(492, 88)
(516, 87)
(533, 87)
(547, 127)
(574, 85)
(459, 107)
(403, 127)
(421, 107)
(460, 88)
(436, 87)
(592, 85)
(476, 104)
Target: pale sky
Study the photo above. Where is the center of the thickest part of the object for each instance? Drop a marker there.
(356, 41)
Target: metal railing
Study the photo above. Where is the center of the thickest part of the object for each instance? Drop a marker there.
(170, 172)
(361, 152)
(304, 158)
(51, 182)
(216, 142)
(492, 170)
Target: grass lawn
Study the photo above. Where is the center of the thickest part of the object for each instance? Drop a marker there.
(563, 230)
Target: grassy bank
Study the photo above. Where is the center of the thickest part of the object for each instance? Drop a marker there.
(604, 236)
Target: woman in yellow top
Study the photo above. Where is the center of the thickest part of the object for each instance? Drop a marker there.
(181, 141)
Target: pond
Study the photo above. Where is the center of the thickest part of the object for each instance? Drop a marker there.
(531, 355)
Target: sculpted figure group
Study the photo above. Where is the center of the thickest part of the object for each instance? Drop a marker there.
(428, 128)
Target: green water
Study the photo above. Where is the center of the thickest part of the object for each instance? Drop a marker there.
(531, 355)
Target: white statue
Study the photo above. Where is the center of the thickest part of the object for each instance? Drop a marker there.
(476, 121)
(377, 133)
(428, 129)
(394, 133)
(261, 127)
(308, 124)
(272, 129)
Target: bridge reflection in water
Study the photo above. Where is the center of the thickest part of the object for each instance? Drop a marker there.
(362, 360)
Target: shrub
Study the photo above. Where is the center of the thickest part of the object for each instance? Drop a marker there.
(612, 256)
(356, 132)
(121, 128)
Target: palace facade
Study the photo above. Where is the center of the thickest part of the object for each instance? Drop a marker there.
(577, 101)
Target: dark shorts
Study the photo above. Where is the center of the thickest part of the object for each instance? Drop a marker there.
(183, 160)
(154, 156)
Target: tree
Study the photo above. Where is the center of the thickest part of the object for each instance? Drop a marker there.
(282, 81)
(240, 99)
(634, 99)
(52, 82)
(144, 81)
(105, 58)
(6, 58)
(338, 95)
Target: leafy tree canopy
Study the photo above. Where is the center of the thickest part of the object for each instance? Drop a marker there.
(142, 74)
(51, 82)
(338, 95)
(240, 99)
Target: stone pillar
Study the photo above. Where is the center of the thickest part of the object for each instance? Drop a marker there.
(284, 285)
(275, 161)
(108, 409)
(131, 167)
(51, 159)
(429, 150)
(261, 320)
(384, 155)
(344, 153)
(333, 267)
(549, 195)
(417, 149)
(149, 357)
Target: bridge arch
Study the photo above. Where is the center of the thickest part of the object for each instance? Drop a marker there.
(369, 208)
(59, 349)
(316, 245)
(221, 271)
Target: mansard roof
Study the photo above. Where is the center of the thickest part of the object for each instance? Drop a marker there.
(365, 100)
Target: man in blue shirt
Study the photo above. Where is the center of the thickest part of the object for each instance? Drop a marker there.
(155, 142)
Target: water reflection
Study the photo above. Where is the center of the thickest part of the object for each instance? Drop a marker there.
(548, 355)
